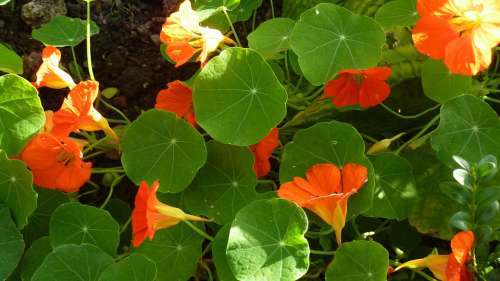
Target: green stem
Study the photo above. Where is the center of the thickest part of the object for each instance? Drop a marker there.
(287, 69)
(93, 145)
(116, 110)
(323, 253)
(97, 153)
(111, 190)
(372, 139)
(315, 94)
(492, 99)
(320, 233)
(409, 116)
(199, 231)
(272, 8)
(296, 88)
(89, 52)
(356, 229)
(424, 275)
(254, 19)
(116, 121)
(207, 269)
(232, 26)
(419, 134)
(127, 223)
(75, 61)
(108, 170)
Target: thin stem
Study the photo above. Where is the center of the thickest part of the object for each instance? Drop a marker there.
(116, 110)
(75, 61)
(315, 94)
(254, 19)
(372, 139)
(89, 52)
(108, 170)
(409, 116)
(97, 153)
(287, 69)
(207, 269)
(93, 145)
(323, 253)
(232, 26)
(424, 275)
(199, 231)
(127, 223)
(419, 134)
(111, 190)
(320, 233)
(272, 8)
(492, 99)
(298, 83)
(356, 229)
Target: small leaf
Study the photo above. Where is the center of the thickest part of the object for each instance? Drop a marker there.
(73, 262)
(440, 84)
(461, 220)
(485, 214)
(462, 177)
(10, 62)
(12, 244)
(219, 254)
(75, 223)
(135, 267)
(397, 13)
(461, 162)
(266, 242)
(272, 37)
(245, 10)
(160, 146)
(237, 98)
(457, 193)
(16, 189)
(64, 31)
(34, 257)
(359, 261)
(21, 113)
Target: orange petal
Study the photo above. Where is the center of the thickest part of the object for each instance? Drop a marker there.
(354, 177)
(177, 99)
(293, 192)
(461, 245)
(462, 57)
(429, 7)
(373, 92)
(263, 150)
(342, 91)
(431, 35)
(324, 179)
(180, 52)
(49, 74)
(378, 73)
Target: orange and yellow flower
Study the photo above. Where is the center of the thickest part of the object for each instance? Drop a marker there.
(326, 190)
(150, 215)
(78, 112)
(49, 74)
(263, 150)
(460, 32)
(452, 267)
(56, 163)
(367, 87)
(184, 36)
(177, 98)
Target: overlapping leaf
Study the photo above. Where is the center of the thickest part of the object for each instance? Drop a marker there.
(397, 13)
(135, 267)
(10, 62)
(272, 37)
(440, 84)
(64, 31)
(11, 242)
(34, 257)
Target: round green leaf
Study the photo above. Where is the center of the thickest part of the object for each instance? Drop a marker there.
(245, 10)
(469, 128)
(333, 142)
(21, 113)
(397, 13)
(134, 268)
(10, 62)
(160, 146)
(16, 189)
(329, 38)
(12, 244)
(224, 185)
(440, 84)
(237, 97)
(34, 257)
(73, 262)
(395, 192)
(359, 261)
(272, 37)
(75, 223)
(175, 251)
(266, 242)
(219, 246)
(119, 210)
(64, 31)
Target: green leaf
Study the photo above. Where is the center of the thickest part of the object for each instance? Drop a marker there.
(469, 128)
(329, 38)
(175, 252)
(119, 210)
(4, 2)
(266, 242)
(134, 268)
(333, 142)
(224, 185)
(219, 246)
(21, 113)
(64, 31)
(38, 222)
(12, 244)
(397, 13)
(440, 84)
(272, 37)
(16, 189)
(34, 257)
(395, 189)
(237, 97)
(73, 262)
(75, 223)
(10, 62)
(160, 146)
(245, 10)
(359, 261)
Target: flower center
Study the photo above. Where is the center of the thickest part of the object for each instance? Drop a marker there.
(467, 21)
(65, 157)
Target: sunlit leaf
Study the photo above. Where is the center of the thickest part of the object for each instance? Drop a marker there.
(440, 84)
(135, 267)
(10, 62)
(397, 13)
(64, 31)
(224, 272)
(272, 36)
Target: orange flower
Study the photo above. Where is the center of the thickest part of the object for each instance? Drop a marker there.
(178, 98)
(49, 74)
(185, 37)
(364, 87)
(56, 163)
(452, 267)
(326, 191)
(262, 151)
(78, 112)
(150, 215)
(460, 32)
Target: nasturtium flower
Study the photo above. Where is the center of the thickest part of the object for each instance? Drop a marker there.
(262, 151)
(49, 74)
(56, 162)
(366, 87)
(177, 98)
(460, 32)
(184, 36)
(78, 112)
(326, 190)
(452, 267)
(150, 215)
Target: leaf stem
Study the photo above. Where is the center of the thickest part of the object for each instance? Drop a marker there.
(390, 110)
(323, 253)
(208, 270)
(108, 170)
(419, 134)
(108, 105)
(224, 9)
(75, 61)
(111, 190)
(125, 225)
(89, 52)
(287, 69)
(272, 8)
(199, 231)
